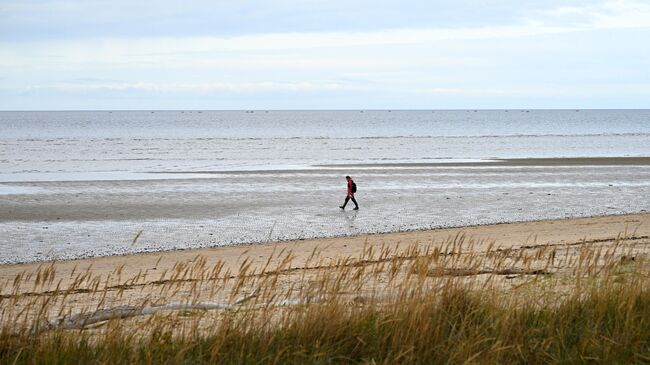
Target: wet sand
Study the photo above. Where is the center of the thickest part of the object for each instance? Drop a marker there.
(55, 220)
(579, 161)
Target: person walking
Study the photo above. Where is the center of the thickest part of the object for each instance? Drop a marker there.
(352, 188)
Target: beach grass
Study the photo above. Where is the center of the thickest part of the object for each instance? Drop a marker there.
(447, 303)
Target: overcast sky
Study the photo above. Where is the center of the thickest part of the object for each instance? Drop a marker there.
(330, 54)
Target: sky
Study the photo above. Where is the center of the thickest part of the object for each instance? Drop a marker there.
(330, 54)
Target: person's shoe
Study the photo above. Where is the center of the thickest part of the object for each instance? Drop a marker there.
(342, 207)
(356, 208)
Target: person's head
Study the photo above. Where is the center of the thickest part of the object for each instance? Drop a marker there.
(348, 178)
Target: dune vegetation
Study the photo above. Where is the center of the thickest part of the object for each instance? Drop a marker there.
(455, 302)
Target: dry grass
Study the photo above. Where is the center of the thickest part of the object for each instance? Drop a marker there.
(450, 303)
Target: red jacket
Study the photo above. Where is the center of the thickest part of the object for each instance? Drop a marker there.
(350, 193)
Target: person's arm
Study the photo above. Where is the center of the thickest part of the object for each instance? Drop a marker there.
(349, 187)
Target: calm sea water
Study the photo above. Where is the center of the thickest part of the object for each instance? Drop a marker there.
(143, 144)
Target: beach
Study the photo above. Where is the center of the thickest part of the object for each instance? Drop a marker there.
(535, 278)
(86, 184)
(175, 182)
(55, 220)
(552, 270)
(107, 234)
(567, 236)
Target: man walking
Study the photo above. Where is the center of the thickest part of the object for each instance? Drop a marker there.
(352, 188)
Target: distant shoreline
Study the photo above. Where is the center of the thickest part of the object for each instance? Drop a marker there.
(554, 161)
(309, 110)
(511, 162)
(337, 168)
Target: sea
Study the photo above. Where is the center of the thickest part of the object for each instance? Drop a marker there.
(186, 178)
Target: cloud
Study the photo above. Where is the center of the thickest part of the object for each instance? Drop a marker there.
(471, 91)
(205, 87)
(611, 14)
(294, 50)
(144, 51)
(550, 51)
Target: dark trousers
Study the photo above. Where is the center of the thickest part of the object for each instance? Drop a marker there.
(347, 199)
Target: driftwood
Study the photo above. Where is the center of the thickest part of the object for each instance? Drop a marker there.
(82, 320)
(470, 272)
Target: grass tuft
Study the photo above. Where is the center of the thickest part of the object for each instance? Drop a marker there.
(456, 302)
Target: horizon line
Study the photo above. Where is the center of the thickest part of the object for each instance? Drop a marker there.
(326, 109)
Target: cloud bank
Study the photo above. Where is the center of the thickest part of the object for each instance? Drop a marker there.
(584, 54)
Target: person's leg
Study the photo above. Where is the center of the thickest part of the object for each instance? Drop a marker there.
(356, 206)
(347, 199)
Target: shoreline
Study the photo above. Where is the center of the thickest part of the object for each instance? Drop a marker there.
(516, 235)
(67, 220)
(520, 162)
(247, 245)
